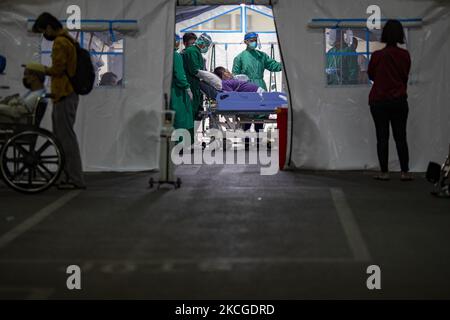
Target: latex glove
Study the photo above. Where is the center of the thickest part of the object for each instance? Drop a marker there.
(189, 92)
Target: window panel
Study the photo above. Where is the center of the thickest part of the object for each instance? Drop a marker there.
(106, 55)
(226, 22)
(259, 22)
(347, 54)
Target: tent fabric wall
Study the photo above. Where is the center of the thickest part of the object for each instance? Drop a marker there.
(331, 126)
(118, 128)
(230, 44)
(225, 2)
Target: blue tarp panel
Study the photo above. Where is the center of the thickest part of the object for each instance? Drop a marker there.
(189, 12)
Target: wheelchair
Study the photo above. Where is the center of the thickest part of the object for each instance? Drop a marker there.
(439, 176)
(31, 159)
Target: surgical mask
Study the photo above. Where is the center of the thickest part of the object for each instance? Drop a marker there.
(204, 50)
(252, 45)
(26, 84)
(49, 38)
(331, 41)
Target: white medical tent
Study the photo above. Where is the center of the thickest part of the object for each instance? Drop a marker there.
(330, 127)
(229, 43)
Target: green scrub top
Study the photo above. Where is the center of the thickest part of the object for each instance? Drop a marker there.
(179, 99)
(252, 63)
(193, 62)
(342, 69)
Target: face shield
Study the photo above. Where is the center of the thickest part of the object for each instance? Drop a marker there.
(348, 37)
(252, 40)
(177, 42)
(331, 37)
(205, 41)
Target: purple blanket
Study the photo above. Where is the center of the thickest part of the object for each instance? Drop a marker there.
(238, 86)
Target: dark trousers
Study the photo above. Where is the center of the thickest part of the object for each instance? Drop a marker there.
(258, 127)
(63, 118)
(394, 113)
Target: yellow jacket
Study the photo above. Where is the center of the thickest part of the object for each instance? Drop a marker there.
(64, 58)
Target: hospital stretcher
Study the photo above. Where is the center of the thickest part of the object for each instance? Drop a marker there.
(237, 108)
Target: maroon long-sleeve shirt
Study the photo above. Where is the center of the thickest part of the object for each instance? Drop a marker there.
(389, 70)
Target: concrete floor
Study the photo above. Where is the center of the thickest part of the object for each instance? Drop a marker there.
(227, 233)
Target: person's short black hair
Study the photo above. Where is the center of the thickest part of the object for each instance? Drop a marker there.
(46, 19)
(40, 76)
(108, 79)
(189, 36)
(219, 71)
(393, 33)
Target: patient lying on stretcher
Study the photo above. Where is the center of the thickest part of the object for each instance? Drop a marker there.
(14, 108)
(230, 83)
(223, 81)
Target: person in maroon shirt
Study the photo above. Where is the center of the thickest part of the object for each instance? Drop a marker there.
(389, 70)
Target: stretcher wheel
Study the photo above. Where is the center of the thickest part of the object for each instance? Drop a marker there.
(178, 183)
(31, 161)
(151, 183)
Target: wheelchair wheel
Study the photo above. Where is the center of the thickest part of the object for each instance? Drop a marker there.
(31, 161)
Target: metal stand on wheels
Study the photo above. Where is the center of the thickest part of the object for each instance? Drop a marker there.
(167, 168)
(273, 76)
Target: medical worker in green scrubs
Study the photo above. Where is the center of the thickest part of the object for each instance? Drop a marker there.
(193, 62)
(181, 94)
(253, 63)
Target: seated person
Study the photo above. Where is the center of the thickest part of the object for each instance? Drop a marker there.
(108, 79)
(15, 107)
(231, 84)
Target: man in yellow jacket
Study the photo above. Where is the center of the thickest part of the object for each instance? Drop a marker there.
(65, 100)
